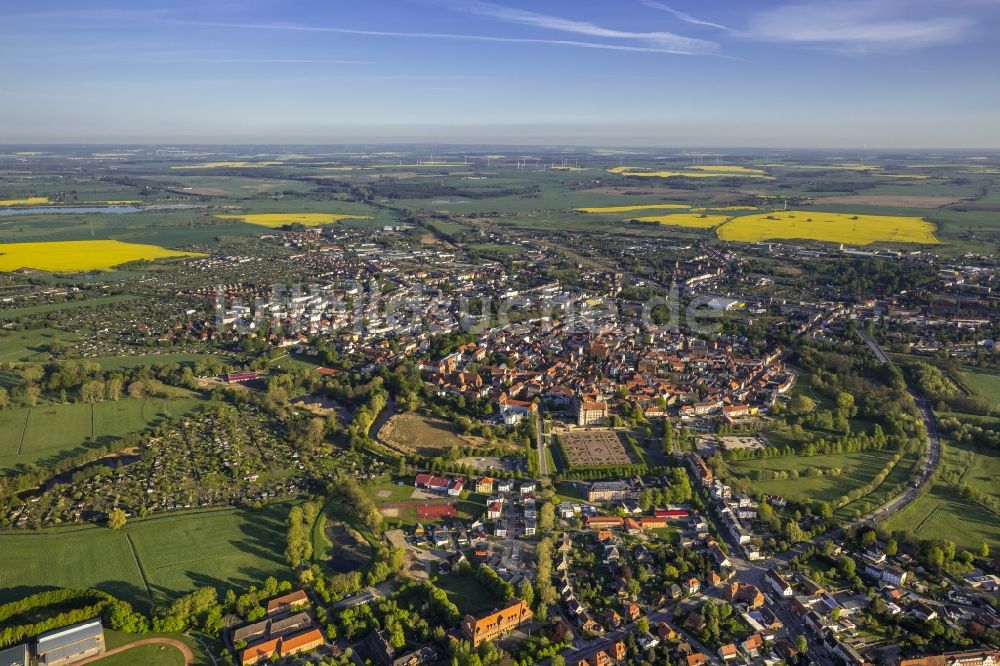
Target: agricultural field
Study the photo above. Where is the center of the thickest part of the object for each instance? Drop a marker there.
(713, 171)
(943, 514)
(860, 229)
(857, 470)
(236, 164)
(44, 434)
(73, 256)
(26, 201)
(424, 435)
(692, 220)
(628, 209)
(986, 384)
(275, 220)
(151, 560)
(25, 345)
(66, 305)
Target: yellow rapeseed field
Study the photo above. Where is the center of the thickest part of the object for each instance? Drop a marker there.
(836, 167)
(691, 220)
(730, 170)
(27, 201)
(87, 255)
(828, 227)
(281, 219)
(625, 209)
(702, 173)
(219, 165)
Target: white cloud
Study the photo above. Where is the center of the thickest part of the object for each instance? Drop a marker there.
(687, 18)
(868, 26)
(666, 41)
(291, 27)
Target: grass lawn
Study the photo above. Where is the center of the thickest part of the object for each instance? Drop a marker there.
(43, 434)
(114, 639)
(388, 490)
(152, 560)
(943, 514)
(986, 384)
(858, 469)
(899, 474)
(147, 655)
(24, 345)
(118, 362)
(467, 593)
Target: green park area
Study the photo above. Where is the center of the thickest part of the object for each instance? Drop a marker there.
(856, 470)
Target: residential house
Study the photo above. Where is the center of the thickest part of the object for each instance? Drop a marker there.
(492, 625)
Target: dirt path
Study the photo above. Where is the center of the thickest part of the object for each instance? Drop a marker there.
(185, 650)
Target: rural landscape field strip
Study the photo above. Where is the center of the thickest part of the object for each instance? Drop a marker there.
(828, 227)
(79, 255)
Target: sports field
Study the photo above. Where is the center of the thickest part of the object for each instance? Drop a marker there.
(81, 255)
(37, 435)
(151, 560)
(828, 227)
(147, 655)
(857, 470)
(274, 220)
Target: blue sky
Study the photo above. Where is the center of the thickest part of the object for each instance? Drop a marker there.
(838, 73)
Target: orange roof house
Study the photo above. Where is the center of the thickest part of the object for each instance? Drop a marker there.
(288, 602)
(490, 626)
(259, 652)
(304, 642)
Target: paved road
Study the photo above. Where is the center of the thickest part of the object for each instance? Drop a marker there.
(879, 353)
(543, 463)
(932, 453)
(181, 646)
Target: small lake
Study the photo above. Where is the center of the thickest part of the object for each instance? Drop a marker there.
(80, 210)
(112, 461)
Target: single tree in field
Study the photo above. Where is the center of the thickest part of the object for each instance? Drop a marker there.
(31, 394)
(4, 398)
(116, 519)
(92, 391)
(114, 388)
